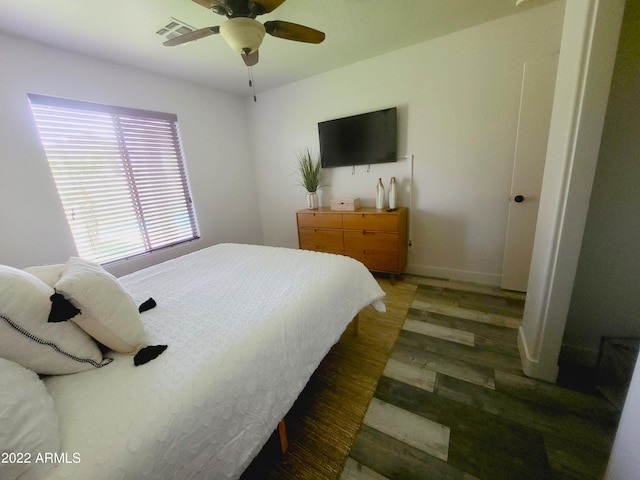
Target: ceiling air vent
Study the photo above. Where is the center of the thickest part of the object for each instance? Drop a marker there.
(174, 28)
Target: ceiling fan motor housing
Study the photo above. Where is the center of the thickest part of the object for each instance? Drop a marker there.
(244, 35)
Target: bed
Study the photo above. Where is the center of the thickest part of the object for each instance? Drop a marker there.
(245, 327)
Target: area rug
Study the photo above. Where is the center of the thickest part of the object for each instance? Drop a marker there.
(323, 423)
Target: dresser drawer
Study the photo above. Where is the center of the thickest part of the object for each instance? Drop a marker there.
(321, 240)
(371, 221)
(326, 220)
(376, 261)
(377, 250)
(370, 241)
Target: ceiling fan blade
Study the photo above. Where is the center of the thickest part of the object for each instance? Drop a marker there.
(191, 36)
(251, 59)
(293, 31)
(260, 7)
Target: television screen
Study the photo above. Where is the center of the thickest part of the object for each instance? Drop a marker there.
(359, 140)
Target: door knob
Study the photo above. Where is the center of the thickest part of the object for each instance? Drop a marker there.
(518, 199)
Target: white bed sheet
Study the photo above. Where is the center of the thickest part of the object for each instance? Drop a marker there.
(246, 326)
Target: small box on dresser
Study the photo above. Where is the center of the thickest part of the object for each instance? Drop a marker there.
(345, 204)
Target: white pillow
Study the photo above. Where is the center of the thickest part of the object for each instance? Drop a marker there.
(49, 274)
(28, 339)
(108, 313)
(28, 423)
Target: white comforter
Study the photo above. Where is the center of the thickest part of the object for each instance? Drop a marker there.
(246, 327)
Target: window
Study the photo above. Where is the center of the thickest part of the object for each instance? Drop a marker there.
(120, 176)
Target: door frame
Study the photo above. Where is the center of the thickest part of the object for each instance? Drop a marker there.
(588, 48)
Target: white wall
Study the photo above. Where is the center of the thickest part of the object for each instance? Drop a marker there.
(624, 462)
(457, 99)
(212, 127)
(605, 298)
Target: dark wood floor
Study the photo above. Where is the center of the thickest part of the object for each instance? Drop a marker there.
(453, 402)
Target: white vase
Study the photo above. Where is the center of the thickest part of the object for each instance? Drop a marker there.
(380, 195)
(312, 200)
(392, 194)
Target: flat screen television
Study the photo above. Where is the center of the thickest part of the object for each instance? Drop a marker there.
(359, 139)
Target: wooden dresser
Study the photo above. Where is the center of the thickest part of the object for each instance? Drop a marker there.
(375, 237)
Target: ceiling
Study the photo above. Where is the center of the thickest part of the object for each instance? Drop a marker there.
(124, 31)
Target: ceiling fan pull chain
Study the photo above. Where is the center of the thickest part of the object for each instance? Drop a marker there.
(252, 84)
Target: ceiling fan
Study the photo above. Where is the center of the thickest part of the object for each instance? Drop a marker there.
(243, 32)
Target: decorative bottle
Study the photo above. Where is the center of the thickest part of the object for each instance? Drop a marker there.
(380, 195)
(392, 194)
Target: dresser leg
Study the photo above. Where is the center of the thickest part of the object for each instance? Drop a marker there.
(356, 325)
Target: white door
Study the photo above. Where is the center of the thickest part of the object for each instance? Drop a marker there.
(536, 100)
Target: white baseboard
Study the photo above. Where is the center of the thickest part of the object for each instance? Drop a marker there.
(531, 366)
(451, 274)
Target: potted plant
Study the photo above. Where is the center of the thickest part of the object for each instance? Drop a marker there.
(310, 176)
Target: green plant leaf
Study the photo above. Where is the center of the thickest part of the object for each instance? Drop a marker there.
(309, 171)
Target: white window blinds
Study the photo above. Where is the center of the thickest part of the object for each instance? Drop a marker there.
(120, 176)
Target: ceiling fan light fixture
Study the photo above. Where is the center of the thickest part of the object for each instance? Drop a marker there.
(244, 35)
